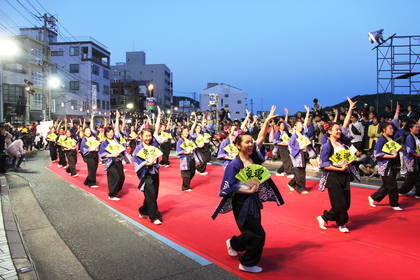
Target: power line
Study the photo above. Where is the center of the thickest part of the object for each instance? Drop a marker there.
(10, 4)
(42, 7)
(27, 10)
(33, 7)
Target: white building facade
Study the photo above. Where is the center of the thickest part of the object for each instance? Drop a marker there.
(84, 68)
(135, 68)
(230, 98)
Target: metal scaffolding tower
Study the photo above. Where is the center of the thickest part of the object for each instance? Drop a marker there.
(398, 65)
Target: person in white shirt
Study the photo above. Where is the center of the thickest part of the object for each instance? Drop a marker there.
(17, 152)
(357, 131)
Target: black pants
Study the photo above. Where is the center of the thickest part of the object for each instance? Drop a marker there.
(61, 156)
(338, 185)
(72, 160)
(412, 179)
(115, 177)
(389, 187)
(299, 181)
(151, 192)
(92, 165)
(252, 238)
(203, 165)
(285, 158)
(17, 161)
(53, 151)
(187, 175)
(165, 147)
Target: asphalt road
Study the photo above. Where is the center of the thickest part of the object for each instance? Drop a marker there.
(70, 235)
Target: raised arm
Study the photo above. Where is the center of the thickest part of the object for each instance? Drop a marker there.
(117, 122)
(308, 110)
(91, 122)
(336, 115)
(194, 123)
(263, 131)
(158, 118)
(352, 104)
(286, 118)
(246, 120)
(397, 111)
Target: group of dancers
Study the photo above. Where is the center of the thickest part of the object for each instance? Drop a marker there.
(246, 184)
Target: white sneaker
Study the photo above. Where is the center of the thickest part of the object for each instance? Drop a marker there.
(290, 176)
(280, 174)
(188, 190)
(371, 201)
(291, 188)
(143, 216)
(321, 222)
(203, 174)
(230, 250)
(343, 229)
(75, 175)
(416, 196)
(94, 186)
(166, 166)
(398, 208)
(157, 222)
(59, 166)
(252, 269)
(304, 192)
(113, 198)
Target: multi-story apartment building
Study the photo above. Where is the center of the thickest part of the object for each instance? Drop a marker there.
(31, 64)
(84, 67)
(136, 69)
(232, 99)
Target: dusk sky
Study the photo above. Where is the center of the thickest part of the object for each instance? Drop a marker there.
(279, 52)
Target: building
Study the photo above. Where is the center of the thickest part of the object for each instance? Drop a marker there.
(136, 69)
(230, 98)
(124, 92)
(183, 104)
(83, 65)
(33, 65)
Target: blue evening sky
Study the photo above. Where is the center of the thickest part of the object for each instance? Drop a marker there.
(279, 52)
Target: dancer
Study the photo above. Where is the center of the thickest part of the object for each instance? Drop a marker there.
(146, 165)
(246, 199)
(336, 176)
(89, 149)
(387, 162)
(69, 146)
(185, 149)
(112, 153)
(411, 151)
(62, 162)
(198, 138)
(281, 140)
(299, 145)
(52, 143)
(165, 147)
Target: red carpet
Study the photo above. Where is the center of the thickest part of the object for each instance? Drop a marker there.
(381, 245)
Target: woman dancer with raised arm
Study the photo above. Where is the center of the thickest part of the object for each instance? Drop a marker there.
(387, 163)
(112, 153)
(281, 139)
(246, 200)
(147, 170)
(336, 177)
(299, 145)
(185, 149)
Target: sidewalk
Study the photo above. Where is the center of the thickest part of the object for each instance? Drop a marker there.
(15, 263)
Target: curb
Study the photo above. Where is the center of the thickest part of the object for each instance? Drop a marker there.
(25, 267)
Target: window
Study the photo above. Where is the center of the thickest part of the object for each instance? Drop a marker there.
(36, 101)
(74, 68)
(226, 105)
(74, 85)
(96, 85)
(37, 77)
(106, 89)
(74, 51)
(73, 104)
(13, 94)
(103, 104)
(98, 103)
(226, 95)
(37, 54)
(95, 69)
(106, 74)
(239, 101)
(107, 105)
(57, 53)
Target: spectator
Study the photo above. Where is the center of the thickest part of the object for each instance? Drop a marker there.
(374, 132)
(357, 131)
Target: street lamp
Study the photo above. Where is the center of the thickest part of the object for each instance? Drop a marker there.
(176, 109)
(9, 49)
(130, 106)
(54, 82)
(151, 88)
